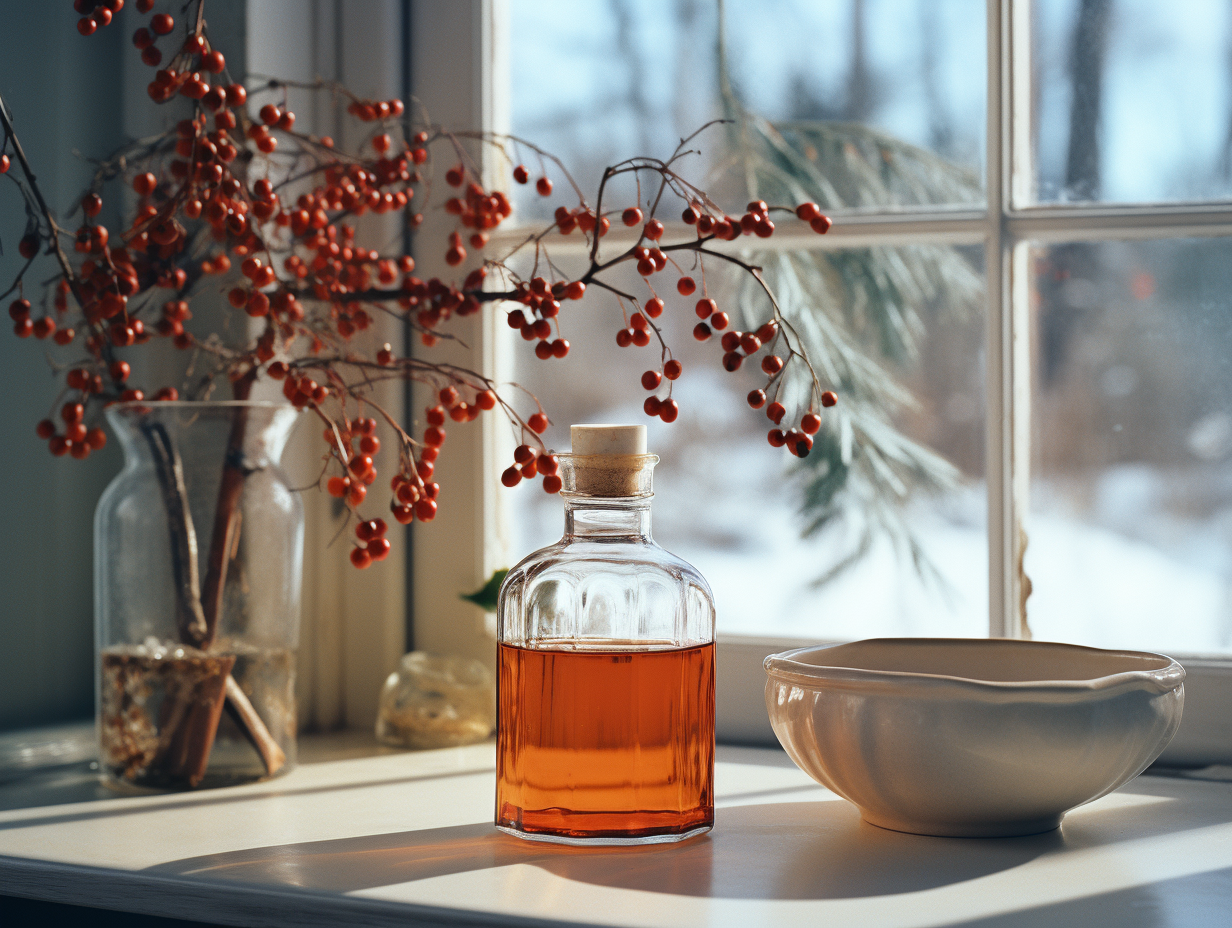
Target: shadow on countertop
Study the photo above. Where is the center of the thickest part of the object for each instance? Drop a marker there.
(797, 850)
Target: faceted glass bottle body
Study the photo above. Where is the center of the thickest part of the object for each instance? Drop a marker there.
(605, 691)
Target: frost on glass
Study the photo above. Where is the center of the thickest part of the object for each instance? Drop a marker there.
(1130, 100)
(883, 98)
(1130, 530)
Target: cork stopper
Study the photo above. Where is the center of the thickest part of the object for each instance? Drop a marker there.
(608, 439)
(608, 461)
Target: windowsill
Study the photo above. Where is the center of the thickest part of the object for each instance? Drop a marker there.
(405, 838)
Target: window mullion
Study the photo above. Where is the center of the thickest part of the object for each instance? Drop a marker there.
(1007, 451)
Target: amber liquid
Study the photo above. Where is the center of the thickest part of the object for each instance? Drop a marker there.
(605, 743)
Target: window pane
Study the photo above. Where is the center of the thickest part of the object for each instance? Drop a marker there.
(730, 504)
(884, 98)
(1131, 502)
(1131, 100)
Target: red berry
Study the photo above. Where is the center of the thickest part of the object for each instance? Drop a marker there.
(651, 380)
(360, 557)
(772, 364)
(799, 444)
(520, 174)
(338, 486)
(730, 341)
(19, 310)
(701, 331)
(511, 477)
(548, 464)
(810, 424)
(486, 399)
(96, 438)
(145, 183)
(4, 164)
(672, 369)
(757, 398)
(653, 308)
(435, 415)
(690, 216)
(538, 423)
(767, 331)
(270, 114)
(552, 483)
(706, 308)
(87, 25)
(425, 509)
(544, 186)
(775, 412)
(719, 321)
(652, 405)
(91, 204)
(624, 338)
(631, 216)
(685, 286)
(653, 230)
(732, 361)
(776, 438)
(669, 410)
(808, 211)
(28, 246)
(749, 343)
(821, 225)
(45, 429)
(560, 348)
(378, 548)
(829, 398)
(523, 454)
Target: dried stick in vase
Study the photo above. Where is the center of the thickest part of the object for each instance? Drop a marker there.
(192, 731)
(190, 619)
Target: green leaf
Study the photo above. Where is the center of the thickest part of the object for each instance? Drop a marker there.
(485, 596)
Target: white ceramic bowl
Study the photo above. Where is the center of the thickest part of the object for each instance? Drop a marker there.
(972, 737)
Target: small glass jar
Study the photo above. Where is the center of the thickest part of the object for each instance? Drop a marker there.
(605, 690)
(197, 559)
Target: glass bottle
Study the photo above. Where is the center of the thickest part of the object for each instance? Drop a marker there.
(197, 558)
(605, 690)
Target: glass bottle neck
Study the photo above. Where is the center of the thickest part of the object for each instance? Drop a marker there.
(607, 520)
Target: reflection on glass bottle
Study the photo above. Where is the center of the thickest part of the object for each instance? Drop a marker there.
(605, 699)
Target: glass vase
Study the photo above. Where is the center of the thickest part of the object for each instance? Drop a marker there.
(605, 692)
(198, 551)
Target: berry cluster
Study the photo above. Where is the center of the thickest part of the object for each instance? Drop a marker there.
(528, 464)
(277, 238)
(541, 304)
(373, 546)
(95, 15)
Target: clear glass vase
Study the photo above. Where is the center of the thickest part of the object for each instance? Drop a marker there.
(605, 692)
(198, 546)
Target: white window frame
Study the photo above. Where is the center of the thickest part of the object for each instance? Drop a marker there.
(466, 543)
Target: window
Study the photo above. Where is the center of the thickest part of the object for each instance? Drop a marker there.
(1069, 348)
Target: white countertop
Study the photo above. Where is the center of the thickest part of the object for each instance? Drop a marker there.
(406, 839)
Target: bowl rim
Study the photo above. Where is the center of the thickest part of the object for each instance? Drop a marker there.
(785, 666)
